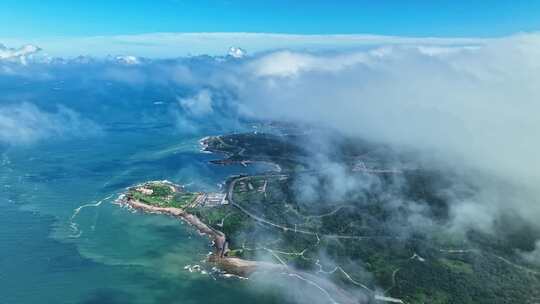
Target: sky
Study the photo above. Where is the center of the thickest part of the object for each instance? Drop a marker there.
(172, 28)
(53, 18)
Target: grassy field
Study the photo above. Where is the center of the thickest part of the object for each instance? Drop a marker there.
(163, 196)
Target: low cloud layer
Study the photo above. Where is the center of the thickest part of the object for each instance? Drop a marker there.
(533, 257)
(198, 105)
(25, 123)
(467, 109)
(18, 54)
(167, 45)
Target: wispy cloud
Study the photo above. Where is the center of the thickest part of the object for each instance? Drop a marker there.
(534, 255)
(462, 108)
(25, 123)
(18, 54)
(198, 105)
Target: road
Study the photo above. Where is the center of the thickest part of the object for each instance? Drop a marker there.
(259, 219)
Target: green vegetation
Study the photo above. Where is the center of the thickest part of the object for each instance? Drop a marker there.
(457, 266)
(429, 277)
(162, 194)
(281, 150)
(358, 232)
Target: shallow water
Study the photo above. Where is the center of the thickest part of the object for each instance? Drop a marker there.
(64, 241)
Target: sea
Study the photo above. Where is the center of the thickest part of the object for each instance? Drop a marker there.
(64, 240)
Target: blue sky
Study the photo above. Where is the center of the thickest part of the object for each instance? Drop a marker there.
(38, 18)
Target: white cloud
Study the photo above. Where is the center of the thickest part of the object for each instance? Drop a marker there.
(237, 52)
(25, 123)
(19, 54)
(198, 105)
(468, 108)
(479, 104)
(128, 59)
(532, 257)
(287, 63)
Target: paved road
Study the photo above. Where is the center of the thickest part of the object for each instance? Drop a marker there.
(259, 219)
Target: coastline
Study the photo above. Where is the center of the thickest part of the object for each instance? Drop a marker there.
(205, 148)
(231, 265)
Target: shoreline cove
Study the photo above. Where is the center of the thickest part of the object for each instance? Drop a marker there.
(231, 265)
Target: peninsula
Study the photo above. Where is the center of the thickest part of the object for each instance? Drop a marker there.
(353, 246)
(164, 197)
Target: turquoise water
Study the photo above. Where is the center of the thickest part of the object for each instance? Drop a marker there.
(52, 250)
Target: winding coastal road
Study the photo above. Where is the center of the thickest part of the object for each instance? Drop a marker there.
(230, 192)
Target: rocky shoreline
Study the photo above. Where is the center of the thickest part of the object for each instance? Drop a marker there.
(231, 265)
